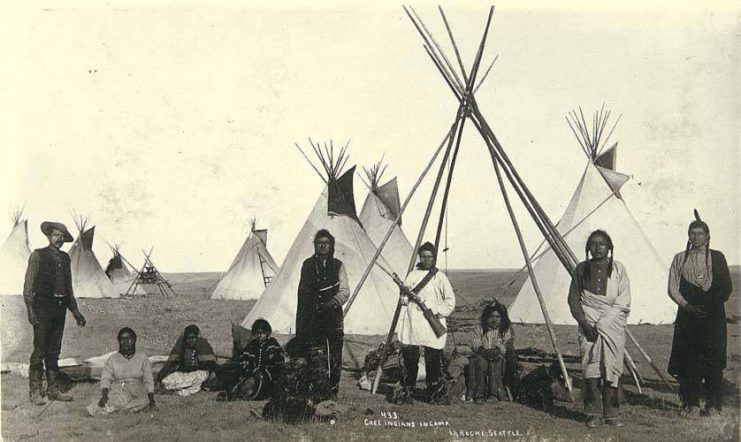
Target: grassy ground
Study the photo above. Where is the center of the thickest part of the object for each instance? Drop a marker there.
(649, 417)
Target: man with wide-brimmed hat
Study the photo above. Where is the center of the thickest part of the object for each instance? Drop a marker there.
(47, 293)
(700, 284)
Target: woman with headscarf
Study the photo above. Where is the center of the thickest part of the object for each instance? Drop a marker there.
(599, 299)
(190, 363)
(430, 287)
(322, 291)
(127, 383)
(700, 283)
(494, 357)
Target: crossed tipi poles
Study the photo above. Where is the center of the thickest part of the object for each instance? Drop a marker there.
(468, 110)
(149, 275)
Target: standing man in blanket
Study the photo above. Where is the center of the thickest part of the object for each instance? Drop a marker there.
(432, 289)
(599, 299)
(700, 283)
(48, 295)
(322, 291)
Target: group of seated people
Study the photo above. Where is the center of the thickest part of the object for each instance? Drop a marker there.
(294, 380)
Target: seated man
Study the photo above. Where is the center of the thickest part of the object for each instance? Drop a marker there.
(255, 372)
(190, 363)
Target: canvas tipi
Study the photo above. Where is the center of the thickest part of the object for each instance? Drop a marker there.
(14, 257)
(379, 211)
(335, 211)
(88, 278)
(120, 274)
(251, 271)
(598, 204)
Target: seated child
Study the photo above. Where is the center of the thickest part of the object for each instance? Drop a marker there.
(293, 398)
(258, 366)
(494, 358)
(190, 363)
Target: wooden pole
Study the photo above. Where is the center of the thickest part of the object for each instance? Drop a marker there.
(533, 278)
(633, 371)
(648, 358)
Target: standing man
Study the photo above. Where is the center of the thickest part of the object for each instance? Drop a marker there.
(428, 286)
(47, 293)
(599, 299)
(699, 282)
(322, 291)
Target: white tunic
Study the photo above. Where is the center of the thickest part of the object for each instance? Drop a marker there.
(439, 297)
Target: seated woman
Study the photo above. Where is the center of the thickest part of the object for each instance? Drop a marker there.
(189, 364)
(494, 359)
(293, 399)
(254, 374)
(126, 383)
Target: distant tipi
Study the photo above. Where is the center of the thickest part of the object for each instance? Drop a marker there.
(374, 307)
(88, 278)
(379, 211)
(121, 276)
(598, 204)
(14, 257)
(251, 271)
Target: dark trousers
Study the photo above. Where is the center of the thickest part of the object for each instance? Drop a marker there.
(336, 342)
(486, 378)
(690, 389)
(47, 336)
(433, 365)
(600, 398)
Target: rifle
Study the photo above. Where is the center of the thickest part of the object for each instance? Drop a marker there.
(437, 327)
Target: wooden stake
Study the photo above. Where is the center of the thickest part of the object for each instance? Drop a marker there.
(648, 358)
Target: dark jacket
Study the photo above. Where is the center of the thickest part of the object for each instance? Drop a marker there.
(49, 274)
(319, 284)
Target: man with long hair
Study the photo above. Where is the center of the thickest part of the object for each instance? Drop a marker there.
(599, 299)
(494, 357)
(322, 291)
(700, 283)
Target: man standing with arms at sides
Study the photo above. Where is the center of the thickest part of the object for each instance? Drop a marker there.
(322, 291)
(599, 299)
(47, 293)
(700, 283)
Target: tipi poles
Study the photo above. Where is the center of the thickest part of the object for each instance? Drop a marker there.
(380, 246)
(533, 278)
(648, 358)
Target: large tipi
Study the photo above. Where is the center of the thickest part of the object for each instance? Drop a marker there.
(121, 276)
(598, 204)
(379, 211)
(14, 257)
(334, 210)
(88, 278)
(251, 271)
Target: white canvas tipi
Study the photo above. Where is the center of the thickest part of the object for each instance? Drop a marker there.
(379, 211)
(598, 204)
(88, 278)
(374, 307)
(14, 257)
(251, 271)
(121, 276)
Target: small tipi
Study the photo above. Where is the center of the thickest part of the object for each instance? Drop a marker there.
(251, 271)
(88, 278)
(379, 211)
(598, 204)
(14, 257)
(150, 277)
(121, 276)
(334, 210)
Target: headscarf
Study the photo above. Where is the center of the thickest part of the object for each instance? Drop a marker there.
(428, 247)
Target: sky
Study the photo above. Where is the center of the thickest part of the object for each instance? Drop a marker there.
(171, 125)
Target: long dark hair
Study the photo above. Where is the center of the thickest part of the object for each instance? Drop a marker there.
(698, 223)
(324, 233)
(121, 332)
(611, 253)
(502, 310)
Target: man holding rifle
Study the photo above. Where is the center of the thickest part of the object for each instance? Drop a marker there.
(428, 299)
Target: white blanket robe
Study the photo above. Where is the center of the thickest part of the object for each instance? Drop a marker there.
(609, 313)
(439, 297)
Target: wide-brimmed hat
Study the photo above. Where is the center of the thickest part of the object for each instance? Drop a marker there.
(48, 226)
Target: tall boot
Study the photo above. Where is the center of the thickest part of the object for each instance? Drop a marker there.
(35, 378)
(53, 392)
